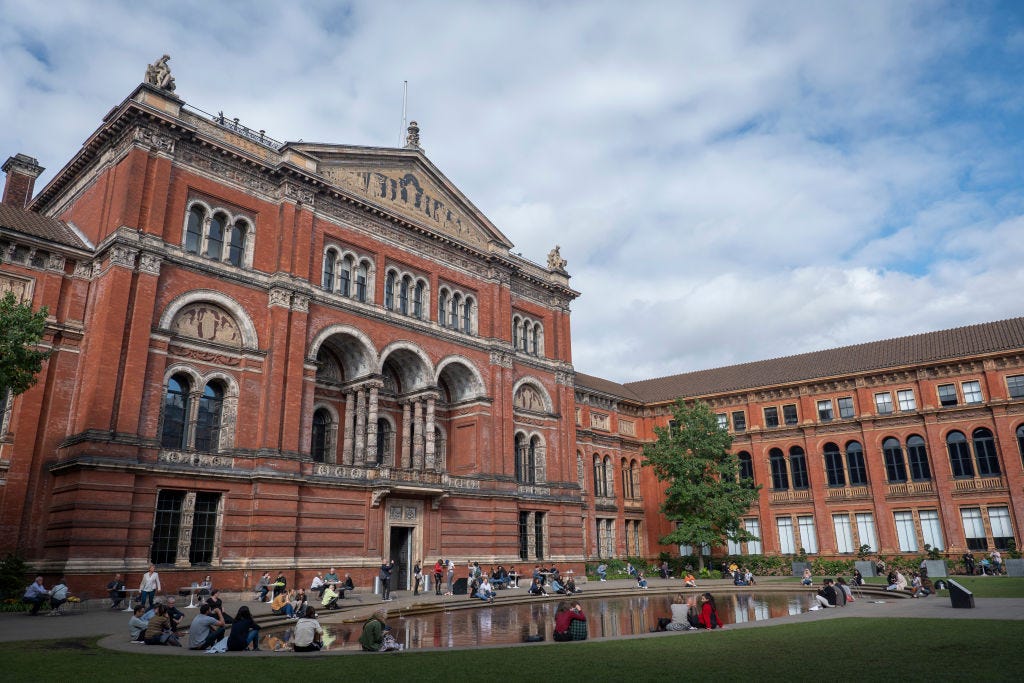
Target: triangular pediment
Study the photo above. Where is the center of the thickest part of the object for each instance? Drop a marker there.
(406, 183)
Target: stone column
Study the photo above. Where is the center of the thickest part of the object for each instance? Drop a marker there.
(188, 511)
(431, 462)
(404, 436)
(371, 427)
(348, 440)
(360, 433)
(531, 535)
(417, 436)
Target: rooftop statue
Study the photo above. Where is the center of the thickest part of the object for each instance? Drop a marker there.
(159, 74)
(555, 260)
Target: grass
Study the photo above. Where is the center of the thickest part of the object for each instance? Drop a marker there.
(981, 586)
(861, 648)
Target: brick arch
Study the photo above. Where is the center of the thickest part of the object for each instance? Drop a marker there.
(250, 339)
(353, 348)
(462, 377)
(411, 364)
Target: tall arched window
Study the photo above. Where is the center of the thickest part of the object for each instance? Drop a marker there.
(599, 487)
(321, 432)
(535, 340)
(520, 457)
(236, 246)
(176, 410)
(834, 470)
(985, 453)
(626, 481)
(1020, 442)
(362, 271)
(895, 468)
(609, 476)
(532, 460)
(417, 299)
(345, 284)
(211, 404)
(403, 296)
(917, 454)
(634, 479)
(389, 291)
(746, 466)
(517, 327)
(383, 441)
(215, 238)
(442, 308)
(453, 316)
(329, 259)
(959, 455)
(467, 316)
(780, 473)
(194, 229)
(798, 465)
(855, 464)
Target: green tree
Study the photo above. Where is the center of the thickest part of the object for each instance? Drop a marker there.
(705, 496)
(20, 332)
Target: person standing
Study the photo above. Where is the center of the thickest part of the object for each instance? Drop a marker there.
(438, 576)
(968, 559)
(148, 586)
(385, 579)
(417, 577)
(997, 562)
(451, 577)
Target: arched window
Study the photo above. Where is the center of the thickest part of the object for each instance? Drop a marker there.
(362, 271)
(535, 340)
(215, 238)
(599, 487)
(389, 291)
(634, 479)
(236, 247)
(532, 460)
(383, 441)
(467, 316)
(194, 229)
(746, 466)
(403, 296)
(1020, 442)
(516, 329)
(609, 476)
(895, 468)
(834, 470)
(176, 410)
(917, 454)
(211, 404)
(985, 453)
(417, 299)
(524, 336)
(798, 465)
(959, 455)
(442, 308)
(321, 432)
(520, 457)
(855, 464)
(780, 473)
(345, 284)
(453, 317)
(329, 259)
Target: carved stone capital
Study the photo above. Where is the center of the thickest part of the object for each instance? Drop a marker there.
(300, 302)
(297, 193)
(55, 262)
(123, 256)
(501, 359)
(378, 497)
(149, 264)
(154, 140)
(565, 378)
(280, 297)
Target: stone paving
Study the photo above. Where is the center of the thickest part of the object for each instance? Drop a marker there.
(100, 621)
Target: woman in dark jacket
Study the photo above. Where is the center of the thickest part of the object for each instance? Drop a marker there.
(244, 631)
(708, 612)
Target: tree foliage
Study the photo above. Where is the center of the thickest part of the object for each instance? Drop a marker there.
(705, 497)
(21, 330)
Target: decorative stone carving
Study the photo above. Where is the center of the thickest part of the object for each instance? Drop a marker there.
(232, 172)
(123, 256)
(83, 270)
(201, 460)
(297, 193)
(55, 262)
(21, 288)
(150, 264)
(280, 297)
(412, 137)
(153, 139)
(501, 359)
(207, 322)
(300, 302)
(528, 398)
(378, 496)
(159, 74)
(555, 260)
(567, 379)
(204, 356)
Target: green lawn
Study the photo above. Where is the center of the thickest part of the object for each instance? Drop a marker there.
(981, 586)
(853, 648)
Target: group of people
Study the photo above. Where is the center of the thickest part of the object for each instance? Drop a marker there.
(559, 583)
(832, 594)
(37, 595)
(691, 613)
(993, 564)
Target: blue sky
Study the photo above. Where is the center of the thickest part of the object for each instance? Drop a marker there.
(728, 181)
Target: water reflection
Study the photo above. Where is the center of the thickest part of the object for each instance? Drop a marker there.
(506, 624)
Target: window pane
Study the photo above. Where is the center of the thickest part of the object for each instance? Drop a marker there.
(866, 530)
(855, 463)
(947, 395)
(165, 527)
(918, 456)
(786, 542)
(746, 466)
(972, 392)
(723, 420)
(974, 528)
(780, 474)
(959, 457)
(844, 533)
(215, 238)
(345, 284)
(798, 463)
(906, 399)
(236, 248)
(739, 421)
(905, 533)
(771, 417)
(1015, 385)
(834, 470)
(931, 530)
(753, 526)
(328, 278)
(194, 231)
(175, 413)
(825, 410)
(208, 423)
(204, 528)
(321, 423)
(1002, 531)
(895, 468)
(808, 536)
(846, 407)
(789, 414)
(985, 453)
(883, 402)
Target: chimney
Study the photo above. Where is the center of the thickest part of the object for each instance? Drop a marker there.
(22, 171)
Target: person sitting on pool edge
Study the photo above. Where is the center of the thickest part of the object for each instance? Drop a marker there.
(308, 635)
(282, 605)
(708, 618)
(376, 635)
(641, 581)
(689, 580)
(565, 619)
(536, 588)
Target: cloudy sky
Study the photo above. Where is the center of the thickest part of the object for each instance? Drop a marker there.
(729, 181)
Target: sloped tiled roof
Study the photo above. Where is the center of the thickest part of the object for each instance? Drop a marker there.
(929, 347)
(37, 225)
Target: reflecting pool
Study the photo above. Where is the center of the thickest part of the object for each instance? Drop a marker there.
(499, 624)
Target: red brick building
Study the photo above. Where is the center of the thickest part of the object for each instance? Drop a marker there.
(289, 356)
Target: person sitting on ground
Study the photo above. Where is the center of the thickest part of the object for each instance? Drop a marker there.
(926, 588)
(536, 587)
(280, 584)
(708, 617)
(897, 582)
(330, 597)
(737, 579)
(827, 596)
(173, 613)
(205, 630)
(841, 585)
(602, 572)
(485, 592)
(807, 580)
(570, 586)
(641, 581)
(159, 630)
(308, 635)
(115, 591)
(282, 605)
(689, 581)
(565, 615)
(537, 574)
(499, 578)
(299, 602)
(513, 577)
(557, 586)
(217, 606)
(376, 635)
(678, 621)
(858, 578)
(317, 585)
(245, 632)
(59, 595)
(263, 587)
(137, 625)
(693, 614)
(35, 595)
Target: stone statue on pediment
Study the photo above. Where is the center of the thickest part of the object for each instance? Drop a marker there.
(159, 74)
(555, 260)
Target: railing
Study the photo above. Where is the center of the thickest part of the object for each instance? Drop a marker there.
(847, 492)
(785, 496)
(979, 484)
(911, 488)
(257, 136)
